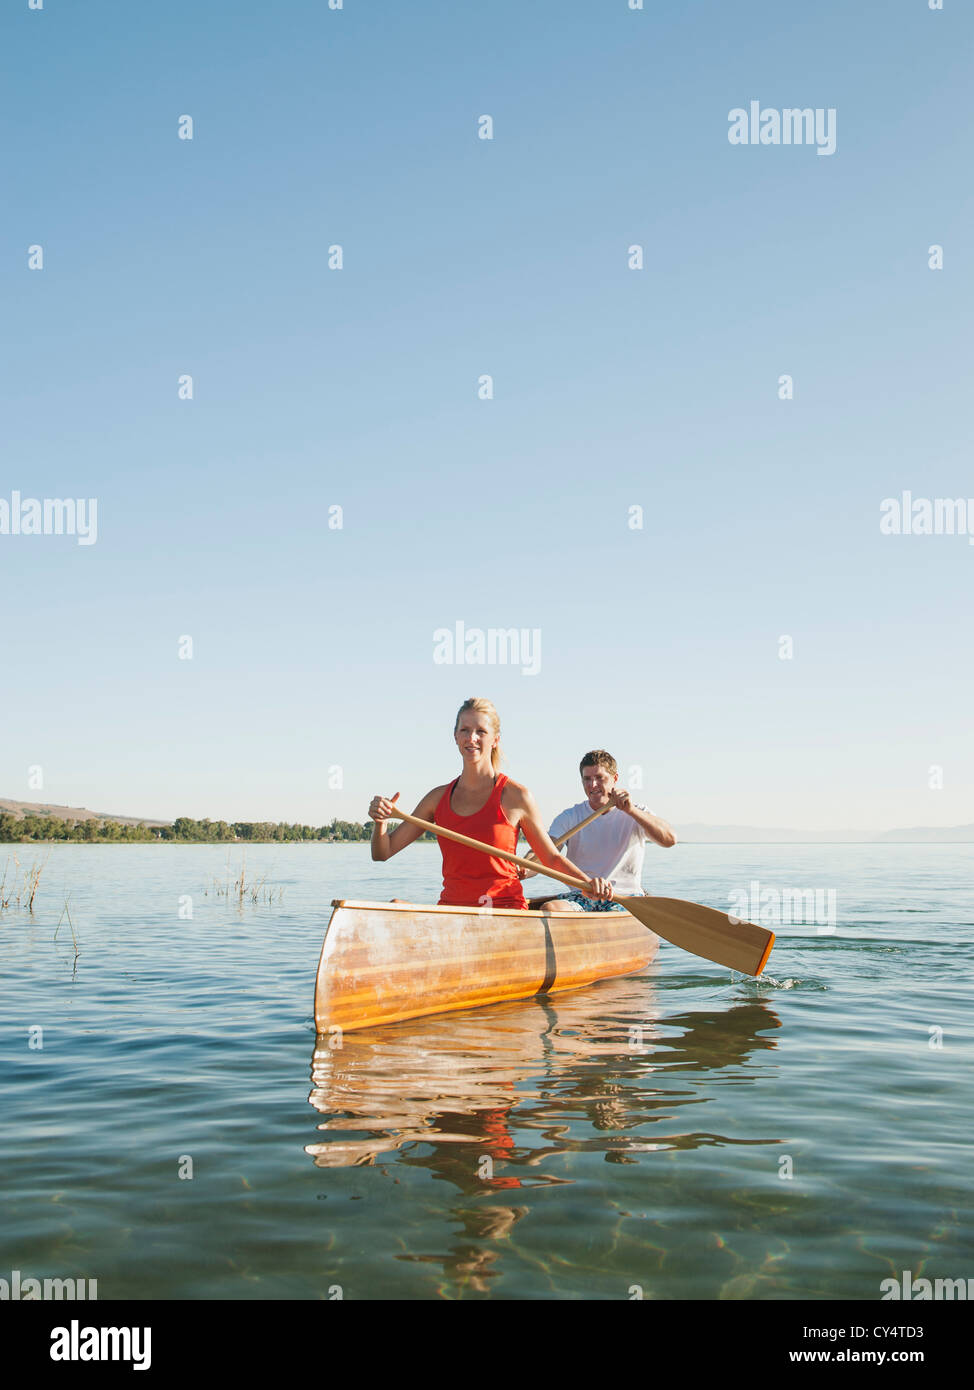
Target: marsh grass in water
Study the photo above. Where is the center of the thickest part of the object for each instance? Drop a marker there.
(20, 888)
(66, 912)
(257, 891)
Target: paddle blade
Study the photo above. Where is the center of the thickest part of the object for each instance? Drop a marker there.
(705, 932)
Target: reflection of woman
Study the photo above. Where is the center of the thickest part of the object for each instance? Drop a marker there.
(486, 805)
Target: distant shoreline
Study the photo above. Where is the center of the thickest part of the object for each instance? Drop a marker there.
(44, 823)
(48, 829)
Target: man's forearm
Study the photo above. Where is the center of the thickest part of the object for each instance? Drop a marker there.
(655, 828)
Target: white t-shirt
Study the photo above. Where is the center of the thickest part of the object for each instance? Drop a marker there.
(611, 847)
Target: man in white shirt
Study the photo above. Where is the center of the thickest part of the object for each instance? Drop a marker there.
(611, 847)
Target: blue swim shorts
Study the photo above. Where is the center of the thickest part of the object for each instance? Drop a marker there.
(591, 904)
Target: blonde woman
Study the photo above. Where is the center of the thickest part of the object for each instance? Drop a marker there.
(486, 805)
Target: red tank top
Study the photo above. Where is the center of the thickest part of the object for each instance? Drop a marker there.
(470, 877)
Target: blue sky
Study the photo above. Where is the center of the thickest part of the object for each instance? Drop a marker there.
(613, 388)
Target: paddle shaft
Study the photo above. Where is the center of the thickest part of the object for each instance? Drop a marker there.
(575, 829)
(534, 864)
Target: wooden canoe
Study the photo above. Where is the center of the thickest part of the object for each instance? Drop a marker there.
(383, 962)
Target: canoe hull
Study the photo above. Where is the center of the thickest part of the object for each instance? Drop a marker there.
(384, 962)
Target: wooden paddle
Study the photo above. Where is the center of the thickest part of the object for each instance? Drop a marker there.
(703, 931)
(575, 829)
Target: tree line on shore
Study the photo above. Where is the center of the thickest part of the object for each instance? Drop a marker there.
(32, 827)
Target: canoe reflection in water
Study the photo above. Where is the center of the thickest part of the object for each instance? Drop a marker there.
(486, 1096)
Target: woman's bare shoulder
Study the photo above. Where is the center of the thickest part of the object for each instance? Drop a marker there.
(516, 793)
(432, 798)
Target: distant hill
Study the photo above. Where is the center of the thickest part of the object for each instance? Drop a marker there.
(931, 834)
(75, 813)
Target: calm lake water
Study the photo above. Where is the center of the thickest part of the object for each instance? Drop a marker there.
(683, 1133)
